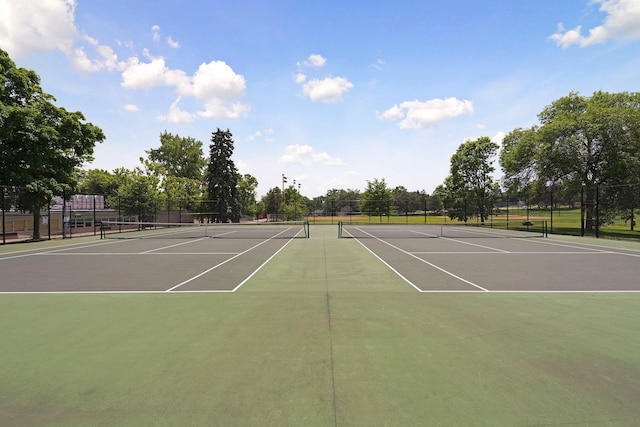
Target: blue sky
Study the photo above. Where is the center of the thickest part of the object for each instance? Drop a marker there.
(329, 93)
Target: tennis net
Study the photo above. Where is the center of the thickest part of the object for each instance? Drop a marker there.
(249, 230)
(513, 229)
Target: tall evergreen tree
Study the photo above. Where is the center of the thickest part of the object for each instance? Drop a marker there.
(222, 177)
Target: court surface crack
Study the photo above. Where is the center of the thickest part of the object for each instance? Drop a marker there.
(328, 299)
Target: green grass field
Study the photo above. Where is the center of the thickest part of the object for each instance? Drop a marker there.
(324, 335)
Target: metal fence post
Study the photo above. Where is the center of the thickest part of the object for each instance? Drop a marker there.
(582, 211)
(598, 212)
(2, 190)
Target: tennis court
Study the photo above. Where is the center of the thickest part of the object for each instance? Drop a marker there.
(215, 258)
(222, 258)
(272, 328)
(488, 259)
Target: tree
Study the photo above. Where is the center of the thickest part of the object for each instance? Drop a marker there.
(339, 202)
(180, 157)
(178, 163)
(377, 198)
(41, 145)
(180, 192)
(434, 202)
(97, 181)
(247, 193)
(405, 201)
(469, 189)
(222, 176)
(582, 142)
(272, 201)
(137, 194)
(518, 159)
(295, 206)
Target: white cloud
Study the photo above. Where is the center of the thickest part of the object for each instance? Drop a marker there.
(156, 32)
(498, 137)
(622, 22)
(90, 40)
(132, 108)
(215, 84)
(379, 64)
(417, 115)
(81, 62)
(301, 78)
(172, 43)
(296, 154)
(326, 159)
(216, 79)
(305, 154)
(261, 134)
(314, 60)
(147, 75)
(176, 115)
(108, 59)
(257, 134)
(393, 113)
(37, 26)
(317, 60)
(327, 90)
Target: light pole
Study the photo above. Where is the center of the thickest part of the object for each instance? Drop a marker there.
(284, 181)
(295, 202)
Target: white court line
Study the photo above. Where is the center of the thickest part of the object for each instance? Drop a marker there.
(510, 253)
(626, 291)
(476, 245)
(137, 253)
(36, 252)
(262, 265)
(425, 234)
(585, 246)
(581, 245)
(460, 241)
(224, 262)
(388, 266)
(426, 262)
(173, 246)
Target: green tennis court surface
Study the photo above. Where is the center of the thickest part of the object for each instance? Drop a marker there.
(320, 331)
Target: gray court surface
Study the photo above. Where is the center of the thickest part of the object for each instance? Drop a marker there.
(139, 265)
(508, 264)
(223, 265)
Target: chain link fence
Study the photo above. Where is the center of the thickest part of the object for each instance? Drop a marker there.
(602, 211)
(599, 211)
